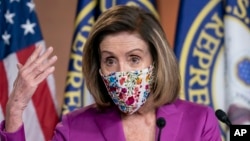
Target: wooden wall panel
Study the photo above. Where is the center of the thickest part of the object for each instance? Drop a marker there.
(168, 10)
(57, 22)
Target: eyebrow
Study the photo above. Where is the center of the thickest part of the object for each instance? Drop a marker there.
(136, 49)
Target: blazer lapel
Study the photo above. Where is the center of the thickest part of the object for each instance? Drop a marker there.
(110, 125)
(173, 120)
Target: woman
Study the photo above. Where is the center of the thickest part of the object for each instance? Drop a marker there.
(132, 73)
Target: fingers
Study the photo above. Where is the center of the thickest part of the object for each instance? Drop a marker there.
(43, 71)
(44, 75)
(38, 66)
(42, 67)
(19, 66)
(34, 55)
(31, 74)
(35, 64)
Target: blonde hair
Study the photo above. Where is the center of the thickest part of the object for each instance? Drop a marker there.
(132, 19)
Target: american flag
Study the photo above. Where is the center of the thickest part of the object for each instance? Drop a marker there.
(20, 34)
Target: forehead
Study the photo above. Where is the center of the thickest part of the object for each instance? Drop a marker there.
(123, 40)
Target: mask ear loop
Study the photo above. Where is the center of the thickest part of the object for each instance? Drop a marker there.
(100, 72)
(153, 65)
(153, 84)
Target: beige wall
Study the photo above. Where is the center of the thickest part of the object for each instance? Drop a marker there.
(57, 23)
(168, 10)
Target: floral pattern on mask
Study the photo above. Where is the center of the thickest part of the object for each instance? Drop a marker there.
(129, 90)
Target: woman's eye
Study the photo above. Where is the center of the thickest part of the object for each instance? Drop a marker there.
(135, 59)
(110, 61)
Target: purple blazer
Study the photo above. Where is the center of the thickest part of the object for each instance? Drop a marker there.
(185, 121)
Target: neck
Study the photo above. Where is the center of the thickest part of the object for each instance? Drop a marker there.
(141, 115)
(139, 126)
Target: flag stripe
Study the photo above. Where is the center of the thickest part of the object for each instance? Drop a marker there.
(32, 125)
(11, 75)
(47, 116)
(7, 78)
(50, 82)
(3, 88)
(1, 113)
(17, 43)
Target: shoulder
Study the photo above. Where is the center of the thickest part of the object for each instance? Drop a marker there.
(88, 115)
(198, 118)
(79, 120)
(192, 112)
(202, 117)
(81, 123)
(192, 108)
(87, 112)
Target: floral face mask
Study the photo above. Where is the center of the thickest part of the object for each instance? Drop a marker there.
(129, 90)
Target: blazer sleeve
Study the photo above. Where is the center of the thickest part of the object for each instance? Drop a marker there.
(62, 132)
(19, 135)
(211, 130)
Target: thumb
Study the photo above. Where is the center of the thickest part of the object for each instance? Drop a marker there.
(19, 66)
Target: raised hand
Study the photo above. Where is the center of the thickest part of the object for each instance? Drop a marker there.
(36, 69)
